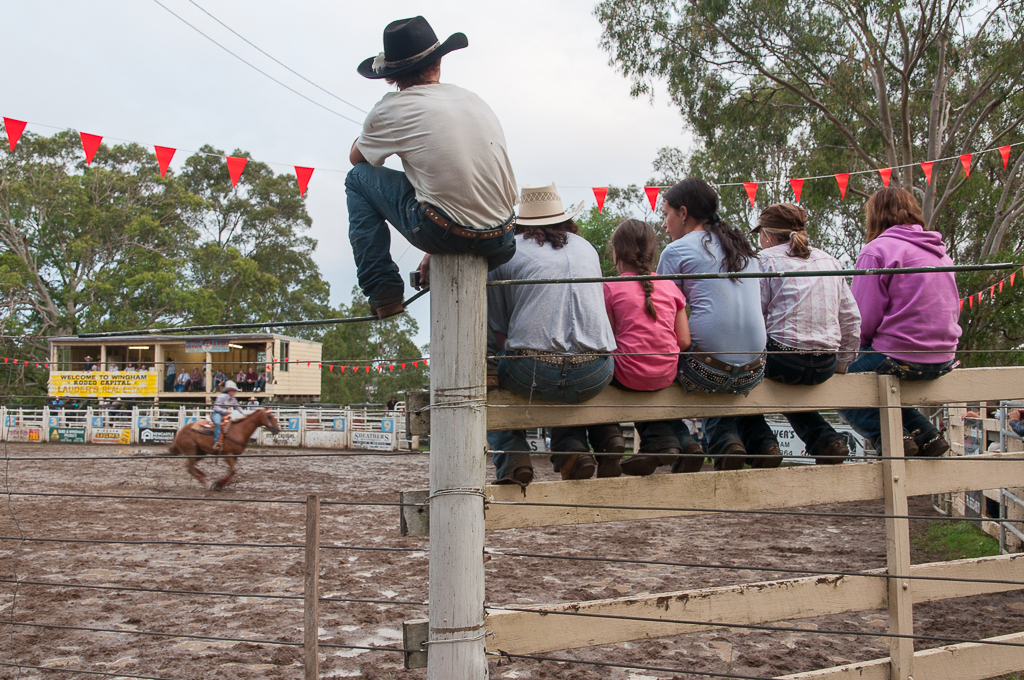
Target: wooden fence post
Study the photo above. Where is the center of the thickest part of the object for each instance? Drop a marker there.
(311, 594)
(897, 531)
(458, 441)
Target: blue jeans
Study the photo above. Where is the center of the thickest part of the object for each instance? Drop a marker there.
(379, 194)
(566, 383)
(801, 368)
(217, 419)
(697, 376)
(868, 421)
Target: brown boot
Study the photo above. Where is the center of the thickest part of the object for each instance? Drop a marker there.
(733, 458)
(642, 465)
(578, 466)
(836, 452)
(770, 458)
(607, 439)
(692, 459)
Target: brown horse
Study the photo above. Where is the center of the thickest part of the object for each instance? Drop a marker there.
(194, 441)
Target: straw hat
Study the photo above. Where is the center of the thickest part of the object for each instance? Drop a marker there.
(541, 205)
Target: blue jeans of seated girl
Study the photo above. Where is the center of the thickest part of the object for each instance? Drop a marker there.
(801, 368)
(376, 195)
(868, 421)
(696, 376)
(566, 383)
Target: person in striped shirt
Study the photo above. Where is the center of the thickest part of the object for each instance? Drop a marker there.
(813, 323)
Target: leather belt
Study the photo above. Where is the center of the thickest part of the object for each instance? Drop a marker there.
(440, 220)
(556, 358)
(720, 365)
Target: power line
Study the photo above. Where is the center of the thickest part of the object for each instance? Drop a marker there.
(256, 68)
(274, 59)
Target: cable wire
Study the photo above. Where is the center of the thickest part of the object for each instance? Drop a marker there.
(256, 68)
(215, 544)
(58, 669)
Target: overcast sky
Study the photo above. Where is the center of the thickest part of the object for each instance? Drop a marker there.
(128, 69)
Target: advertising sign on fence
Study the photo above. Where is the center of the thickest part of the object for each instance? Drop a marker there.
(111, 435)
(282, 438)
(792, 446)
(102, 384)
(24, 434)
(974, 445)
(67, 435)
(149, 435)
(207, 345)
(375, 441)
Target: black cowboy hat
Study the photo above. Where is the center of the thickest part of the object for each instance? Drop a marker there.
(409, 44)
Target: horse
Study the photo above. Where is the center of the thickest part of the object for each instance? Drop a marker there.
(194, 440)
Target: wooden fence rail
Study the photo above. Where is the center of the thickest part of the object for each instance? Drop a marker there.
(550, 628)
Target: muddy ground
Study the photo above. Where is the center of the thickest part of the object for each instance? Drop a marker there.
(821, 543)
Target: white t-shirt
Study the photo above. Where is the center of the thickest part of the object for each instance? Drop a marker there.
(452, 148)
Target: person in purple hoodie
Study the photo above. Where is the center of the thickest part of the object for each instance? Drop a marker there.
(908, 321)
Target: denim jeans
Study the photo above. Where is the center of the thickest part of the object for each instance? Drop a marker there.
(217, 419)
(696, 376)
(867, 421)
(566, 383)
(376, 195)
(803, 368)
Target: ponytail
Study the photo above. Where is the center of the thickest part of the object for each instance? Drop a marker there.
(635, 244)
(798, 246)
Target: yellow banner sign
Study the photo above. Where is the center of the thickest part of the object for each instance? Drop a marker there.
(100, 384)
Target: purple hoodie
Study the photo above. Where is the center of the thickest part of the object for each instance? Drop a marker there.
(903, 313)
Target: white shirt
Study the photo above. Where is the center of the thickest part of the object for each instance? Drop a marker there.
(810, 313)
(452, 148)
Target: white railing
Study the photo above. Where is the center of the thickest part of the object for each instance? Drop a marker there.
(312, 427)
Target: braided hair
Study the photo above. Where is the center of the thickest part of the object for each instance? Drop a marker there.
(635, 244)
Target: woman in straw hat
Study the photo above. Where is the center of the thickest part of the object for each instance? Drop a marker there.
(813, 323)
(554, 341)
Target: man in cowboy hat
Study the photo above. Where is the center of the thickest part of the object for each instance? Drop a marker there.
(458, 191)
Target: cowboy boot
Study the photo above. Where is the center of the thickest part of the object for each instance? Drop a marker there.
(218, 445)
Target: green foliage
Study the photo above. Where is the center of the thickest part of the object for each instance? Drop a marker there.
(115, 246)
(779, 89)
(956, 541)
(385, 340)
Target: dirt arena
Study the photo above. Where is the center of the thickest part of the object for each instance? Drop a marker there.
(815, 543)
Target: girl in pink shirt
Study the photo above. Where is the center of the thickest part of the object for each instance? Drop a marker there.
(649, 322)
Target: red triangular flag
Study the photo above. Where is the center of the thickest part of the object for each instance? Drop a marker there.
(751, 188)
(164, 154)
(961, 304)
(843, 178)
(5, 360)
(652, 196)
(367, 369)
(965, 160)
(1001, 285)
(927, 167)
(320, 366)
(1003, 150)
(798, 186)
(1012, 277)
(303, 175)
(391, 367)
(235, 167)
(992, 292)
(90, 144)
(886, 174)
(16, 127)
(970, 300)
(403, 367)
(425, 362)
(600, 193)
(415, 364)
(331, 368)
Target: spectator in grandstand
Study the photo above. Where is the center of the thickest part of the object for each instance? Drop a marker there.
(218, 380)
(649, 322)
(813, 322)
(909, 322)
(261, 382)
(196, 384)
(88, 364)
(130, 368)
(726, 325)
(253, 402)
(240, 379)
(391, 402)
(554, 342)
(171, 371)
(183, 381)
(250, 378)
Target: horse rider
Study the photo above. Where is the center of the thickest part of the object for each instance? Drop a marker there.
(221, 408)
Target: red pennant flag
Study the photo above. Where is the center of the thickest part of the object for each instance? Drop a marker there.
(320, 366)
(5, 360)
(391, 367)
(47, 365)
(886, 174)
(90, 144)
(927, 167)
(751, 188)
(1012, 277)
(303, 175)
(1001, 285)
(843, 178)
(415, 364)
(600, 193)
(164, 154)
(798, 186)
(961, 304)
(307, 364)
(965, 160)
(991, 292)
(330, 368)
(367, 369)
(970, 300)
(342, 368)
(652, 196)
(16, 127)
(235, 167)
(1004, 150)
(403, 367)
(425, 363)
